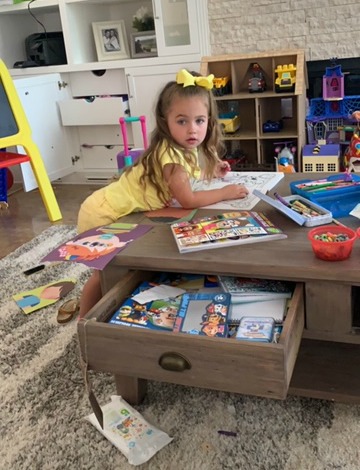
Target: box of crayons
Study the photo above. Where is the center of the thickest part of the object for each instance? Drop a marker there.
(312, 213)
(339, 193)
(300, 210)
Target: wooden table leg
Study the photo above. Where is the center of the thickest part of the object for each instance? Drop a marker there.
(131, 389)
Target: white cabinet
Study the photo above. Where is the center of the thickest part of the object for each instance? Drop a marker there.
(144, 86)
(176, 27)
(39, 97)
(92, 128)
(181, 29)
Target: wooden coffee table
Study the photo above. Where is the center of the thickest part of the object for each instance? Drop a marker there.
(319, 351)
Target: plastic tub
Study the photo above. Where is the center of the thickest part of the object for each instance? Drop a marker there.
(332, 250)
(340, 202)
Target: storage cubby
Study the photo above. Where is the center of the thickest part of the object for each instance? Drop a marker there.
(256, 107)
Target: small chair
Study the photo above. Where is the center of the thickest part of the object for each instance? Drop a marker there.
(15, 131)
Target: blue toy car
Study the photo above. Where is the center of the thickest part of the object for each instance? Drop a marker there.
(272, 126)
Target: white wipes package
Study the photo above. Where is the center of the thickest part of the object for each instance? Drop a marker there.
(127, 430)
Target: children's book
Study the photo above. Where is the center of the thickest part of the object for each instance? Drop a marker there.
(243, 289)
(157, 315)
(222, 230)
(203, 314)
(256, 329)
(275, 309)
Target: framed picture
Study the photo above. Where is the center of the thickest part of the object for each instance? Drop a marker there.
(110, 40)
(143, 44)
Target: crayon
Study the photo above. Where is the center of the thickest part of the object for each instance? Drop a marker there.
(282, 200)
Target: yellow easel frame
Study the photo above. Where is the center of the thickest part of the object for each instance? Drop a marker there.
(24, 138)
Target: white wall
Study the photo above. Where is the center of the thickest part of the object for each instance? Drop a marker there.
(323, 28)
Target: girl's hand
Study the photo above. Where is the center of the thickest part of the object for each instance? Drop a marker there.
(221, 169)
(234, 191)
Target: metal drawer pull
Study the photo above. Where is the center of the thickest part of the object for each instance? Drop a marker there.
(174, 361)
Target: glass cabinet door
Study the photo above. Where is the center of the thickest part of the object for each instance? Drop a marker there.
(176, 23)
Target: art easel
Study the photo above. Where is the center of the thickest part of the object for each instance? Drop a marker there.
(15, 131)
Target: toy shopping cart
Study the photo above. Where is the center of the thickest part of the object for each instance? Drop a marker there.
(127, 157)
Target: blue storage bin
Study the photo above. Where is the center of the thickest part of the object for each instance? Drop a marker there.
(338, 201)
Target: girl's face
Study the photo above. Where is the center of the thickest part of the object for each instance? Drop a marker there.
(187, 120)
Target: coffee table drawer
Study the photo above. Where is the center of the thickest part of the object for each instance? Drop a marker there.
(262, 369)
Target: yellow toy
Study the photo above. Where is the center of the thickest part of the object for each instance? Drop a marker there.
(286, 78)
(20, 135)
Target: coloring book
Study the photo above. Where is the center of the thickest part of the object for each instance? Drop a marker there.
(263, 182)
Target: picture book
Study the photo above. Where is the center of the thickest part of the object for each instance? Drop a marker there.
(263, 182)
(203, 314)
(275, 309)
(97, 247)
(222, 230)
(256, 329)
(42, 296)
(243, 289)
(158, 314)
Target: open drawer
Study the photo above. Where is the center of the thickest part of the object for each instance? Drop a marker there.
(262, 369)
(95, 112)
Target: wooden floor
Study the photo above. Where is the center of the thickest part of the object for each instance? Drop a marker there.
(26, 216)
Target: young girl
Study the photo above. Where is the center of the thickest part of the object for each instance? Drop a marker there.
(186, 124)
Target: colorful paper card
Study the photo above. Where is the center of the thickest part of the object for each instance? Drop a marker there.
(97, 247)
(170, 214)
(42, 296)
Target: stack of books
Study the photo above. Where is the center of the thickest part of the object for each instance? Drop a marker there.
(256, 297)
(226, 229)
(223, 306)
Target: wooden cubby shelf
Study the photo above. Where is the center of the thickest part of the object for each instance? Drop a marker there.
(255, 108)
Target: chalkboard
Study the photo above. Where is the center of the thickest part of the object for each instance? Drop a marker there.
(8, 126)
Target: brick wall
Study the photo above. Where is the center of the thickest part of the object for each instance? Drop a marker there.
(323, 28)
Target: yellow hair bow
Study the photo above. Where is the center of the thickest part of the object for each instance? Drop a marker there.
(186, 79)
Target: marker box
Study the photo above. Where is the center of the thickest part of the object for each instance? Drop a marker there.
(340, 201)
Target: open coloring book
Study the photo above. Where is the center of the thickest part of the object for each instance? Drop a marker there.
(263, 182)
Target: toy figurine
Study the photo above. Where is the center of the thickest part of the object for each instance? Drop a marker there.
(352, 153)
(257, 82)
(285, 157)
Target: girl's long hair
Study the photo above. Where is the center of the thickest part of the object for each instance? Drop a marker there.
(211, 148)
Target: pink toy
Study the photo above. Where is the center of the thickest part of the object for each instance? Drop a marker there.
(128, 157)
(333, 84)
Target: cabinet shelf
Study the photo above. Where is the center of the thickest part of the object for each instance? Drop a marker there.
(241, 135)
(255, 108)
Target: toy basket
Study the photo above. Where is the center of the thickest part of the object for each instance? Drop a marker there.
(127, 157)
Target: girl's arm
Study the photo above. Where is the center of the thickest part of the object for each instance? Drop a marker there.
(180, 188)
